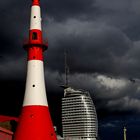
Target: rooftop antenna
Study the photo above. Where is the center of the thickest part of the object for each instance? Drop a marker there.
(66, 70)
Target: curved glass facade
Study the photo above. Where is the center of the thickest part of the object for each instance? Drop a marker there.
(79, 118)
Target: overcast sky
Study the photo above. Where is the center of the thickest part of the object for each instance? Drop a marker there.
(102, 38)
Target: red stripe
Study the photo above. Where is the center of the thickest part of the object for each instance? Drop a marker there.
(35, 53)
(35, 124)
(35, 2)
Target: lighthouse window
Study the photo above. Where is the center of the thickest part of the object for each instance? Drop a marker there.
(34, 36)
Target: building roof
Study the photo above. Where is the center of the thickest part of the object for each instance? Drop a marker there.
(4, 118)
(6, 131)
(74, 92)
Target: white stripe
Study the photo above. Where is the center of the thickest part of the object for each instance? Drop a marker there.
(35, 92)
(35, 21)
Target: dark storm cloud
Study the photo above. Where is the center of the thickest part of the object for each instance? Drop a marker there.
(13, 27)
(100, 36)
(91, 46)
(122, 14)
(62, 10)
(132, 60)
(12, 69)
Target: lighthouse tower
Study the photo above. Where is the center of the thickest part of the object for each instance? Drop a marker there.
(35, 121)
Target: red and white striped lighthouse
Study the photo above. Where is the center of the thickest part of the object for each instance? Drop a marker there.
(35, 122)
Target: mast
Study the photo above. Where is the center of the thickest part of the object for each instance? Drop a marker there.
(124, 132)
(66, 70)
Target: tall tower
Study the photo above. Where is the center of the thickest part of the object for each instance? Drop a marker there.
(35, 121)
(124, 133)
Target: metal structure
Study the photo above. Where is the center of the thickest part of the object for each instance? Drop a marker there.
(66, 70)
(35, 121)
(79, 118)
(124, 132)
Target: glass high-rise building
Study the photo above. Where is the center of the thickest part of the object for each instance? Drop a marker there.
(79, 118)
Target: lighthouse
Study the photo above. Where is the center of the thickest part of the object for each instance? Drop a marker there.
(35, 121)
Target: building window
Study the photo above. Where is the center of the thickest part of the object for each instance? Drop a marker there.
(34, 36)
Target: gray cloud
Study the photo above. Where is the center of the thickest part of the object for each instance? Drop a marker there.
(108, 125)
(113, 94)
(102, 40)
(92, 46)
(125, 104)
(70, 8)
(12, 69)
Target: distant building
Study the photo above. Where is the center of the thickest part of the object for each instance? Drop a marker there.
(79, 118)
(5, 134)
